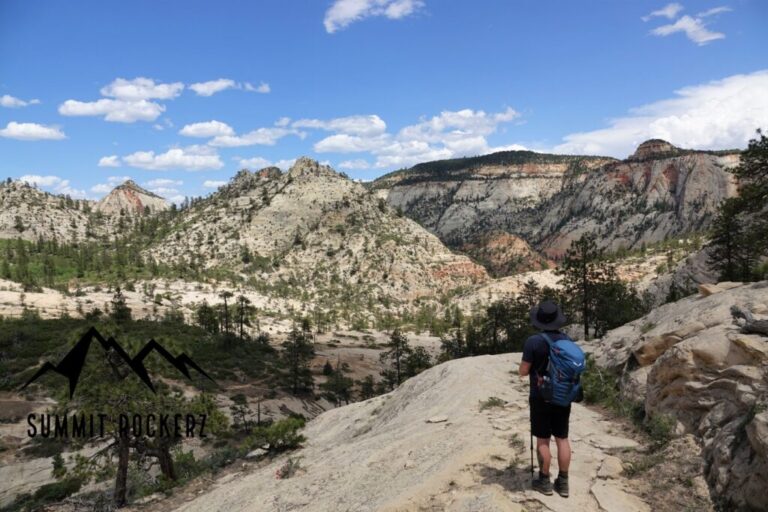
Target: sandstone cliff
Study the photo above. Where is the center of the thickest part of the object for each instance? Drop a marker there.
(548, 200)
(690, 360)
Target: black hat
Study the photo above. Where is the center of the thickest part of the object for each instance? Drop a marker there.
(547, 316)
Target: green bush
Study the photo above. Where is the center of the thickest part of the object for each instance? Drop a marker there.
(280, 436)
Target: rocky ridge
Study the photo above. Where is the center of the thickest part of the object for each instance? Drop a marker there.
(319, 231)
(549, 200)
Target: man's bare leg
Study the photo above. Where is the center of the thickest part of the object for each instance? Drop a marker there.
(563, 454)
(544, 455)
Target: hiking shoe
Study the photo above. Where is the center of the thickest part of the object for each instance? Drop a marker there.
(543, 485)
(561, 487)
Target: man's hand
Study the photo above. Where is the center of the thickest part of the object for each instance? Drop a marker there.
(525, 369)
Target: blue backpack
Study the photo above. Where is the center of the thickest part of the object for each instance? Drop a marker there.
(560, 384)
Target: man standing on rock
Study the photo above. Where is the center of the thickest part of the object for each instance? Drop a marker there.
(554, 385)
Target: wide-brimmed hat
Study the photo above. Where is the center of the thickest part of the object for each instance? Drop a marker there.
(547, 316)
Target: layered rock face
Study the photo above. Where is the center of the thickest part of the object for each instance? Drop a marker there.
(456, 199)
(132, 200)
(318, 230)
(549, 200)
(690, 360)
(635, 202)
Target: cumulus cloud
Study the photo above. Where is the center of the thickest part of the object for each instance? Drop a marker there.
(190, 158)
(141, 89)
(213, 86)
(261, 136)
(694, 27)
(163, 182)
(358, 163)
(118, 111)
(109, 161)
(668, 11)
(53, 184)
(345, 12)
(260, 163)
(447, 135)
(366, 126)
(126, 101)
(207, 129)
(112, 182)
(720, 114)
(31, 131)
(8, 101)
(222, 84)
(213, 183)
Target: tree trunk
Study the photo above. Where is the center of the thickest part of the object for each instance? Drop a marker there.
(121, 478)
(166, 463)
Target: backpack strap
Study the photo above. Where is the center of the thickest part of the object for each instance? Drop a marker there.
(550, 343)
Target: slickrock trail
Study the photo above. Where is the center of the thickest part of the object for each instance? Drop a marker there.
(429, 446)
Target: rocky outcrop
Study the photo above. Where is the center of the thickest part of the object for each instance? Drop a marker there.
(689, 360)
(29, 213)
(319, 231)
(504, 254)
(131, 199)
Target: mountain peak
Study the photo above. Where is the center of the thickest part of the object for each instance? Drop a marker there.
(306, 166)
(653, 147)
(131, 198)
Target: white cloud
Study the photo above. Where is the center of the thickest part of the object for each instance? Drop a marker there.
(668, 11)
(127, 101)
(54, 184)
(213, 184)
(118, 111)
(354, 164)
(343, 143)
(260, 163)
(31, 131)
(164, 191)
(720, 114)
(222, 84)
(213, 86)
(256, 162)
(101, 188)
(345, 12)
(693, 28)
(262, 136)
(190, 158)
(447, 135)
(112, 182)
(109, 161)
(141, 89)
(9, 101)
(207, 129)
(283, 121)
(353, 125)
(163, 182)
(262, 88)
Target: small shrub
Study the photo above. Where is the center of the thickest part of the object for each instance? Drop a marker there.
(288, 469)
(491, 402)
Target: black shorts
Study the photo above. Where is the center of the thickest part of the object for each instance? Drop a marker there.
(549, 419)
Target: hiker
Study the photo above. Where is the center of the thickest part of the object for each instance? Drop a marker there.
(554, 364)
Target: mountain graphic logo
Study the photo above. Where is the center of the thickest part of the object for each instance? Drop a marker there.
(72, 364)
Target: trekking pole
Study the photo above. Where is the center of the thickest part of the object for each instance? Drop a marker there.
(531, 453)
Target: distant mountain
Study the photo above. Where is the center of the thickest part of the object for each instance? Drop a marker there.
(317, 234)
(132, 200)
(550, 200)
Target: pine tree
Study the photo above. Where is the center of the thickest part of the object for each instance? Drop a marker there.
(394, 358)
(120, 313)
(297, 354)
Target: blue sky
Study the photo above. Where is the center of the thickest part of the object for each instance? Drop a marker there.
(179, 95)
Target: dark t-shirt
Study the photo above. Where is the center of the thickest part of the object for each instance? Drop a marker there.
(536, 352)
